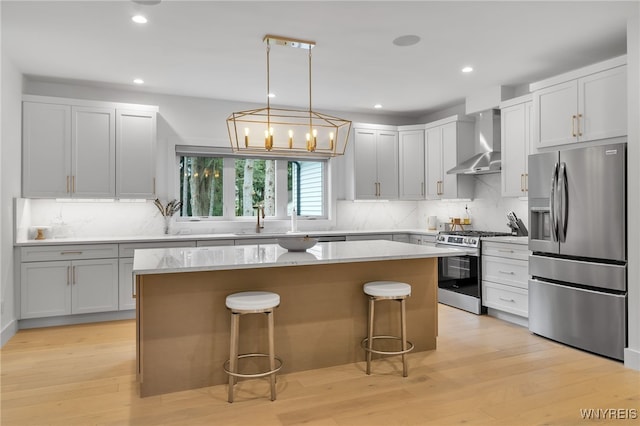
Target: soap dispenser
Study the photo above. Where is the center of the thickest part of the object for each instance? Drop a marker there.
(467, 217)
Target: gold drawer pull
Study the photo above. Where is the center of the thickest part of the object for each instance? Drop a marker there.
(507, 272)
(504, 299)
(70, 252)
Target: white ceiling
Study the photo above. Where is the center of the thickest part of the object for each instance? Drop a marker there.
(214, 49)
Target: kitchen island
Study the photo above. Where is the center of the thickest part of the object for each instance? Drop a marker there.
(183, 324)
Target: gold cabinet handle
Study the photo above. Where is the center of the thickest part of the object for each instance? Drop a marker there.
(154, 186)
(422, 188)
(73, 183)
(70, 252)
(522, 182)
(526, 182)
(68, 275)
(504, 299)
(578, 121)
(573, 126)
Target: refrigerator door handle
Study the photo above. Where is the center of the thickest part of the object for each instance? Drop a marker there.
(552, 204)
(564, 203)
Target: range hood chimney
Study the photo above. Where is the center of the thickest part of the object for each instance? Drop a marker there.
(487, 146)
(483, 106)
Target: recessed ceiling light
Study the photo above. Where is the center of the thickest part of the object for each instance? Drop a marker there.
(271, 95)
(138, 81)
(406, 40)
(139, 19)
(377, 106)
(467, 69)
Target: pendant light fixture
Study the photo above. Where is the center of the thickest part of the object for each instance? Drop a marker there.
(287, 132)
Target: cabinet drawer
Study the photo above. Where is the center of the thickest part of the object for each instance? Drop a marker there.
(505, 271)
(213, 243)
(512, 251)
(71, 252)
(505, 298)
(126, 250)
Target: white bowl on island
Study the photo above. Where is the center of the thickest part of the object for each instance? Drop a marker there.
(297, 242)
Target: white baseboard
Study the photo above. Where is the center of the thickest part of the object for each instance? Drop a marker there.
(632, 358)
(8, 332)
(506, 316)
(76, 319)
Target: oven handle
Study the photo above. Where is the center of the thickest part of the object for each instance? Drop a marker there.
(464, 251)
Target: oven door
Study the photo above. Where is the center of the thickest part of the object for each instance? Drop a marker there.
(459, 274)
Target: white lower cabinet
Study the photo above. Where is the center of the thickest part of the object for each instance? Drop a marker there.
(68, 287)
(505, 284)
(365, 237)
(126, 298)
(424, 240)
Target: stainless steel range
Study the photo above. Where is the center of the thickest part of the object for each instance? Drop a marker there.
(459, 277)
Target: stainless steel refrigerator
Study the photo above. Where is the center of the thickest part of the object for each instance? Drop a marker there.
(577, 236)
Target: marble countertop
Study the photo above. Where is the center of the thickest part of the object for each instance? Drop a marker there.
(172, 260)
(508, 239)
(205, 237)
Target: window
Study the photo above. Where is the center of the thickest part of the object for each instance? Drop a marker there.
(229, 187)
(201, 183)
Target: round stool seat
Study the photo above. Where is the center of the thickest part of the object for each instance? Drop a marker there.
(387, 289)
(252, 300)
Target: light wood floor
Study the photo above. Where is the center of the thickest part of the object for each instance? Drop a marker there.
(484, 371)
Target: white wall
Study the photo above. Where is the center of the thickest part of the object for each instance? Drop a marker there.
(632, 353)
(10, 158)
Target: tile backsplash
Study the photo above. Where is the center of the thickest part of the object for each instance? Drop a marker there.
(108, 218)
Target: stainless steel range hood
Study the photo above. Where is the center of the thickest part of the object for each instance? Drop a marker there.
(488, 162)
(487, 146)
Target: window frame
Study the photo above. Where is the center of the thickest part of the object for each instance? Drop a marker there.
(228, 176)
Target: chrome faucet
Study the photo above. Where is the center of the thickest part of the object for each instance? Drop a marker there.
(260, 211)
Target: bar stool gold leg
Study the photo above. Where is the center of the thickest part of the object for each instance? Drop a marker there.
(272, 359)
(370, 334)
(233, 355)
(403, 321)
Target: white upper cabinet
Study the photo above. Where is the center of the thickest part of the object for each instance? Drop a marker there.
(136, 148)
(515, 145)
(46, 150)
(411, 153)
(87, 149)
(448, 142)
(376, 164)
(433, 163)
(68, 151)
(602, 104)
(93, 152)
(584, 105)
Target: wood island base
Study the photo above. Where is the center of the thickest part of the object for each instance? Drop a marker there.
(183, 324)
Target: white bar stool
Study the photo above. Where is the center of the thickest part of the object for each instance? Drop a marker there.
(251, 302)
(387, 290)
